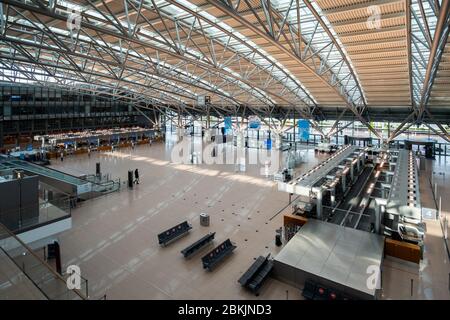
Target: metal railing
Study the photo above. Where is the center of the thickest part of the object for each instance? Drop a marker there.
(102, 184)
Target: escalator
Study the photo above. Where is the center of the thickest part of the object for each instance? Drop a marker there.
(69, 184)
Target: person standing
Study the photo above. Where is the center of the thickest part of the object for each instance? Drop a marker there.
(136, 176)
(89, 152)
(62, 156)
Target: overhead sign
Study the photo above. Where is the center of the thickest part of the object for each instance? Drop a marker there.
(228, 124)
(203, 100)
(303, 129)
(254, 122)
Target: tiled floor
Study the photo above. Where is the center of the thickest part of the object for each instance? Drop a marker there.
(114, 238)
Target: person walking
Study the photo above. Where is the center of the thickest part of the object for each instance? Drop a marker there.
(89, 152)
(136, 176)
(62, 156)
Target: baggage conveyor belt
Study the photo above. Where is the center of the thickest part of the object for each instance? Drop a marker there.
(348, 211)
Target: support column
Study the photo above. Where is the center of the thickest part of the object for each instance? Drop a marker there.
(179, 125)
(278, 139)
(208, 118)
(378, 214)
(1, 135)
(295, 124)
(240, 146)
(389, 129)
(319, 207)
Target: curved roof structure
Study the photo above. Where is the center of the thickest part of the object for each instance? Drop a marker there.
(365, 59)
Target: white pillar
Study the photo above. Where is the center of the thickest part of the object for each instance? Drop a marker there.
(319, 207)
(446, 228)
(378, 214)
(240, 151)
(277, 141)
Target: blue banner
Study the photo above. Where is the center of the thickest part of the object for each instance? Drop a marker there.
(254, 122)
(303, 129)
(228, 124)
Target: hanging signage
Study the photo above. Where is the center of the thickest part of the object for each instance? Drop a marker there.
(254, 122)
(203, 100)
(228, 125)
(303, 129)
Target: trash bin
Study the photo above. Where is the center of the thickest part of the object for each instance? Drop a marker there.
(204, 219)
(278, 233)
(278, 242)
(130, 178)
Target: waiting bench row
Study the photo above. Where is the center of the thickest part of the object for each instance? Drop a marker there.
(211, 259)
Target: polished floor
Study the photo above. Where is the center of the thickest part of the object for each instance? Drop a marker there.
(114, 238)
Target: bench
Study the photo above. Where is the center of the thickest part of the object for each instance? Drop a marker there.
(217, 254)
(254, 277)
(197, 245)
(174, 233)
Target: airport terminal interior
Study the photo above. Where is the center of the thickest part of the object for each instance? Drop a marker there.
(224, 149)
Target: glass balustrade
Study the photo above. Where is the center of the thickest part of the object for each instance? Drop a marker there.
(52, 285)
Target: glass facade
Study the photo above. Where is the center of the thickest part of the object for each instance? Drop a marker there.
(27, 109)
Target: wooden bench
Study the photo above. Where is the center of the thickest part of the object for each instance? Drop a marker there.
(174, 233)
(197, 245)
(217, 254)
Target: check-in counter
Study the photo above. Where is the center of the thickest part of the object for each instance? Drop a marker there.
(290, 219)
(402, 250)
